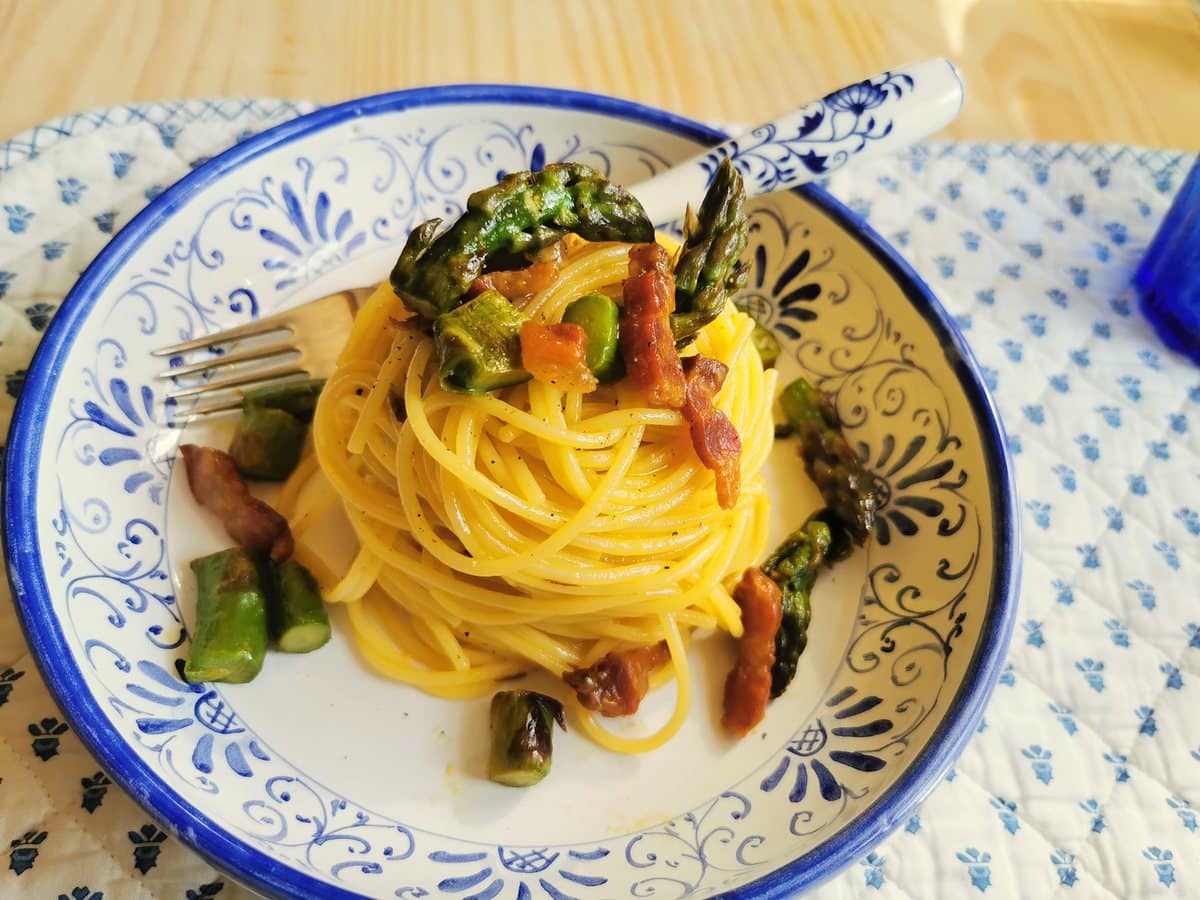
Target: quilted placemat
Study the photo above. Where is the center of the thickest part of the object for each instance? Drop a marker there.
(1084, 773)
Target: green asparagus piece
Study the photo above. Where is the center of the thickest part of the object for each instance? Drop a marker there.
(522, 737)
(296, 397)
(766, 344)
(297, 616)
(709, 270)
(764, 340)
(230, 638)
(270, 434)
(794, 566)
(267, 443)
(479, 345)
(846, 485)
(524, 212)
(841, 541)
(598, 315)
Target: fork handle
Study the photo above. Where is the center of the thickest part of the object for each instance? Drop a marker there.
(880, 115)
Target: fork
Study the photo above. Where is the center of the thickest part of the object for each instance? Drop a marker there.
(878, 115)
(316, 329)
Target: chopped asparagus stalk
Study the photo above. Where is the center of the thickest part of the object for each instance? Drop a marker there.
(709, 270)
(525, 211)
(267, 443)
(296, 397)
(230, 637)
(479, 345)
(841, 541)
(794, 566)
(598, 316)
(845, 483)
(270, 434)
(297, 617)
(522, 737)
(766, 344)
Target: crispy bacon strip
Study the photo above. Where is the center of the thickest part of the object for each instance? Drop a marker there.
(557, 355)
(646, 340)
(514, 283)
(717, 442)
(616, 684)
(748, 685)
(218, 487)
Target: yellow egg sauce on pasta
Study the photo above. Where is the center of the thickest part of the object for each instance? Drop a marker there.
(528, 528)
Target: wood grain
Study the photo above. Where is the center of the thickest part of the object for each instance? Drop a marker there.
(1108, 71)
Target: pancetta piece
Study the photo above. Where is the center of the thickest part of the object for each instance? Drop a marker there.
(717, 442)
(616, 684)
(748, 685)
(557, 355)
(218, 487)
(646, 340)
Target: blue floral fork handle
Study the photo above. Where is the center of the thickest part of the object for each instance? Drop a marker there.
(879, 115)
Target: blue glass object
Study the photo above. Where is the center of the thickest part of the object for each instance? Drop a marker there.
(1168, 279)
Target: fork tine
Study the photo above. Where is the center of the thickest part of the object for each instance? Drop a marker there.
(238, 381)
(229, 359)
(300, 348)
(232, 403)
(250, 329)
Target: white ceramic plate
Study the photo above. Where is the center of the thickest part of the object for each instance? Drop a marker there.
(321, 777)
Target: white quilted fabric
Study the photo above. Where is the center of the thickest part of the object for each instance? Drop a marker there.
(1082, 779)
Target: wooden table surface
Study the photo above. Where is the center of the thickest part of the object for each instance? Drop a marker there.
(1079, 70)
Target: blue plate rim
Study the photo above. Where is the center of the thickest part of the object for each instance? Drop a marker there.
(258, 869)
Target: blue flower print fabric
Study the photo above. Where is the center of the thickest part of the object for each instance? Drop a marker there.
(65, 188)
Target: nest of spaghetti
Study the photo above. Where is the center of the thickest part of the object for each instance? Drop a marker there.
(548, 432)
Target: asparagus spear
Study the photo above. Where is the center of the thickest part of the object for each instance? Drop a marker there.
(525, 211)
(297, 617)
(766, 344)
(794, 566)
(270, 434)
(296, 397)
(230, 638)
(841, 541)
(479, 345)
(267, 443)
(522, 737)
(708, 270)
(764, 341)
(846, 485)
